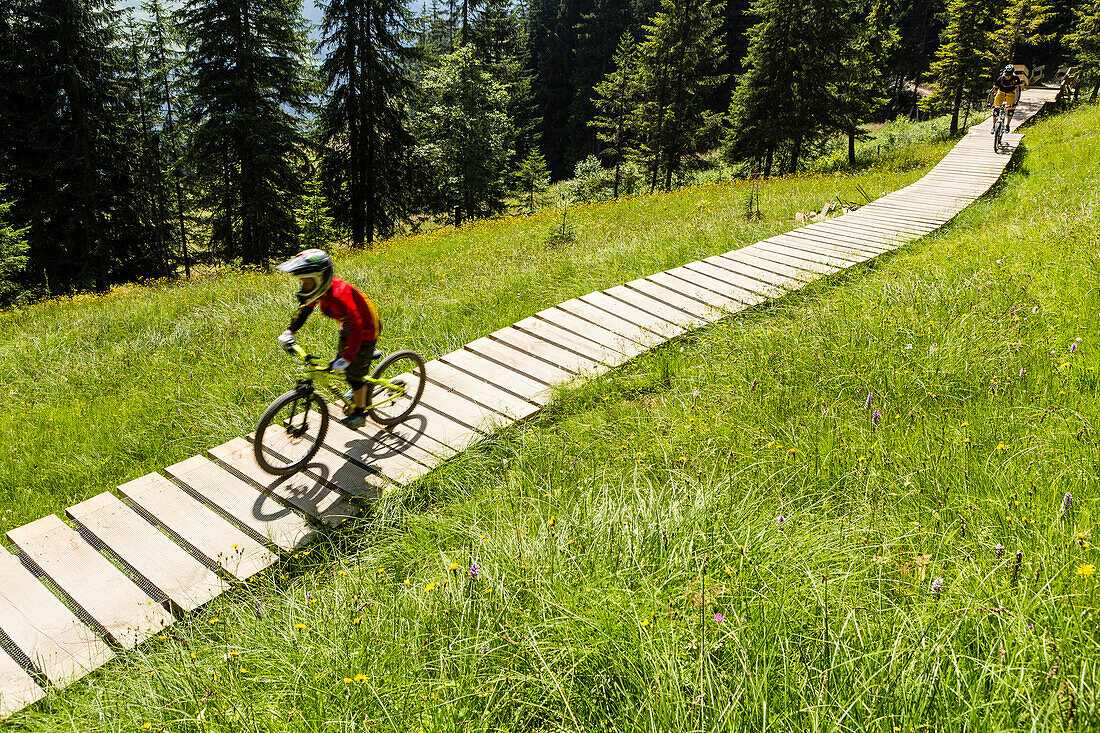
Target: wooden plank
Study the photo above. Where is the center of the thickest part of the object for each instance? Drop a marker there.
(575, 342)
(482, 392)
(527, 364)
(644, 319)
(500, 376)
(719, 306)
(676, 299)
(655, 307)
(316, 498)
(461, 410)
(254, 511)
(742, 259)
(739, 298)
(397, 455)
(929, 223)
(906, 213)
(761, 282)
(823, 252)
(566, 320)
(616, 324)
(17, 689)
(59, 645)
(193, 523)
(166, 566)
(556, 355)
(827, 237)
(552, 354)
(115, 602)
(786, 258)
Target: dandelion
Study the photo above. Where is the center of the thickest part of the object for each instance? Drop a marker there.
(876, 417)
(429, 587)
(1087, 570)
(719, 618)
(870, 399)
(645, 622)
(360, 678)
(453, 566)
(937, 586)
(357, 620)
(299, 626)
(553, 521)
(215, 621)
(999, 550)
(347, 680)
(475, 572)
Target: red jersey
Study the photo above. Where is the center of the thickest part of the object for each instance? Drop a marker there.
(354, 310)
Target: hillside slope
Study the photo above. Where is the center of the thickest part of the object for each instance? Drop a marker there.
(723, 535)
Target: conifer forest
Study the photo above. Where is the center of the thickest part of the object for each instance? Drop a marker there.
(145, 140)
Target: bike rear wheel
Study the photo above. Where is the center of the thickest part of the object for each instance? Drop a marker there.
(396, 387)
(998, 131)
(290, 432)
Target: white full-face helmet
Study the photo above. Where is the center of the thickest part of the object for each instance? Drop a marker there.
(314, 270)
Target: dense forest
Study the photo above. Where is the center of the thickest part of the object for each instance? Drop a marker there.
(139, 143)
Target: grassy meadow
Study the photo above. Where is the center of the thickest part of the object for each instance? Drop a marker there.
(867, 507)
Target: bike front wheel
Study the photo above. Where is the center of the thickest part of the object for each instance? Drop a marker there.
(290, 432)
(395, 387)
(998, 131)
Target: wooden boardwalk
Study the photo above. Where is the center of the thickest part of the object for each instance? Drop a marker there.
(75, 593)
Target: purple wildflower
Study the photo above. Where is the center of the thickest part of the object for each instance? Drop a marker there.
(999, 550)
(1013, 310)
(1073, 347)
(484, 649)
(1067, 503)
(937, 586)
(1021, 372)
(876, 417)
(780, 519)
(475, 572)
(719, 618)
(870, 399)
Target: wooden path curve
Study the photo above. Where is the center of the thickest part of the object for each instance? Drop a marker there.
(123, 567)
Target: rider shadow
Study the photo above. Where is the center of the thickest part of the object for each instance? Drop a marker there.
(387, 442)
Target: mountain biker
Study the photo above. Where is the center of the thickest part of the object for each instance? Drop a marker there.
(1006, 87)
(359, 322)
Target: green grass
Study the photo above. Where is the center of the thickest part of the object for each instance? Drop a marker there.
(611, 531)
(100, 390)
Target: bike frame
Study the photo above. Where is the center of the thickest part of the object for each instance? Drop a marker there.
(319, 375)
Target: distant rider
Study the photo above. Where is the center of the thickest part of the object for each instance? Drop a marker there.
(359, 322)
(1007, 87)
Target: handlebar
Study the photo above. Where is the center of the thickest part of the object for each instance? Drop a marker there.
(307, 358)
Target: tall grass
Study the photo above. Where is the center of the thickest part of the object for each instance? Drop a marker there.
(722, 535)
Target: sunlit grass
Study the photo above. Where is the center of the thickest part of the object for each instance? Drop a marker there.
(720, 536)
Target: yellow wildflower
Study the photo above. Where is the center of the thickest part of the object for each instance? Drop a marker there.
(1086, 570)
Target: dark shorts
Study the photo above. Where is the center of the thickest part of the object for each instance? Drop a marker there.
(359, 368)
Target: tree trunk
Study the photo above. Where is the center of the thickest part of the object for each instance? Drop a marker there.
(768, 161)
(370, 168)
(955, 106)
(852, 147)
(796, 153)
(356, 200)
(1095, 91)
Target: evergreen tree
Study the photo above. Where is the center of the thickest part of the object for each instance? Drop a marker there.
(316, 228)
(533, 179)
(13, 257)
(463, 131)
(553, 38)
(919, 23)
(966, 56)
(163, 80)
(783, 104)
(500, 39)
(860, 86)
(63, 141)
(247, 85)
(363, 122)
(616, 100)
(678, 59)
(1021, 25)
(1085, 42)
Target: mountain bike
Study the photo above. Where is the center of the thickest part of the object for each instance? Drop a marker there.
(292, 428)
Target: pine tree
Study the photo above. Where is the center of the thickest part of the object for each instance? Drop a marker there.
(248, 88)
(363, 122)
(316, 228)
(13, 257)
(1085, 41)
(533, 179)
(782, 104)
(1023, 24)
(163, 75)
(859, 87)
(919, 23)
(500, 39)
(967, 53)
(678, 58)
(616, 102)
(463, 131)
